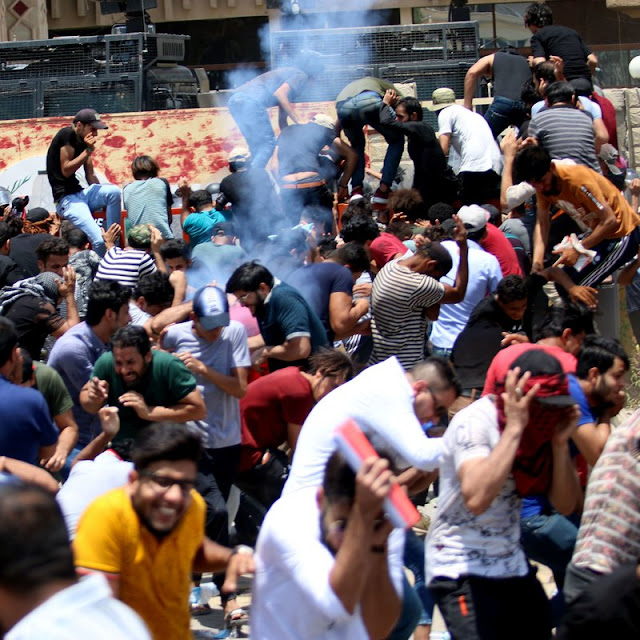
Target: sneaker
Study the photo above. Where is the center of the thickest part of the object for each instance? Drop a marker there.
(380, 200)
(356, 194)
(422, 526)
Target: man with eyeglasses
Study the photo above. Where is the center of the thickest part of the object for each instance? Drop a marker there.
(148, 536)
(216, 352)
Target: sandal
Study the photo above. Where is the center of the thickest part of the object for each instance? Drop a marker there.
(233, 621)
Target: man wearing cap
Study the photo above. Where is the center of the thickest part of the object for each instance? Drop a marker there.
(495, 451)
(298, 149)
(72, 148)
(216, 352)
(255, 205)
(357, 105)
(473, 141)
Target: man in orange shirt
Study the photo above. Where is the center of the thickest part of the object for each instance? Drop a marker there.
(148, 537)
(599, 208)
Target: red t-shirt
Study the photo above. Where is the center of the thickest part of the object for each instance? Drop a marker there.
(503, 360)
(270, 404)
(497, 244)
(385, 247)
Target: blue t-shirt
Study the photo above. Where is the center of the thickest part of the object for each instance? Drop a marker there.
(73, 356)
(221, 426)
(200, 225)
(287, 315)
(25, 423)
(317, 281)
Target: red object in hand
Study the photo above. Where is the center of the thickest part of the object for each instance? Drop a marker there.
(355, 447)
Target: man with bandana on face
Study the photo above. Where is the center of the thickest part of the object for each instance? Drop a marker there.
(330, 553)
(146, 386)
(495, 451)
(599, 208)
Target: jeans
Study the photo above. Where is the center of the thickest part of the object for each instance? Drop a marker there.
(353, 114)
(414, 561)
(549, 539)
(504, 112)
(442, 352)
(216, 473)
(264, 482)
(77, 208)
(409, 614)
(253, 121)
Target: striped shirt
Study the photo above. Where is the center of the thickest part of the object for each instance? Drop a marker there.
(146, 202)
(399, 299)
(126, 266)
(609, 534)
(566, 132)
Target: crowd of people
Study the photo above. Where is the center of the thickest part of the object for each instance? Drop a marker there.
(171, 388)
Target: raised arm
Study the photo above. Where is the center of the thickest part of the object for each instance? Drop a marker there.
(483, 67)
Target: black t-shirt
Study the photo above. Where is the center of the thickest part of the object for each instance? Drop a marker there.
(23, 252)
(61, 186)
(510, 72)
(299, 146)
(10, 272)
(316, 282)
(35, 318)
(255, 206)
(556, 40)
(432, 177)
(479, 342)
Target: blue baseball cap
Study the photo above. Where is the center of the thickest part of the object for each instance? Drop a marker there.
(211, 307)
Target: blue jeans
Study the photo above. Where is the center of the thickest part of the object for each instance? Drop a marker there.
(77, 208)
(550, 539)
(504, 112)
(442, 352)
(414, 560)
(409, 614)
(353, 114)
(254, 123)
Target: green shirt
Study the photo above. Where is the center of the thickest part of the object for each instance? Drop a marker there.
(368, 83)
(164, 384)
(52, 387)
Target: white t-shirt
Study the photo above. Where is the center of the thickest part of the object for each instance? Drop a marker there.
(221, 426)
(484, 276)
(292, 597)
(459, 542)
(380, 401)
(86, 609)
(471, 138)
(88, 480)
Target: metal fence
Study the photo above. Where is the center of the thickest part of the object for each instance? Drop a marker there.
(431, 55)
(112, 73)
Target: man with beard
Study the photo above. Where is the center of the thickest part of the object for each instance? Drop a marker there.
(146, 386)
(593, 202)
(148, 536)
(330, 550)
(290, 331)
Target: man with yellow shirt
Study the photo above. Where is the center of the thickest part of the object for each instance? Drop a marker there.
(599, 208)
(148, 537)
